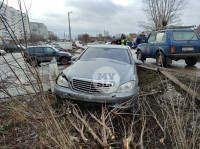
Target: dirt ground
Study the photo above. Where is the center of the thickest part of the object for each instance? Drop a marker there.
(20, 130)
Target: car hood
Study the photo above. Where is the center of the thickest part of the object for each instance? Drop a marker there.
(85, 69)
(63, 53)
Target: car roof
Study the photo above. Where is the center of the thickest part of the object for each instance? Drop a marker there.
(108, 46)
(175, 29)
(40, 46)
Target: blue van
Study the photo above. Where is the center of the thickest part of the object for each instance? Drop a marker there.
(171, 44)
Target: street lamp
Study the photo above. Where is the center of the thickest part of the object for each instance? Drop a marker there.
(70, 37)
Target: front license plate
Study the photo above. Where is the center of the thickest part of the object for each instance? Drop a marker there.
(188, 49)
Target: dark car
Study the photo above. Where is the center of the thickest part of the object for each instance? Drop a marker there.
(14, 48)
(171, 44)
(101, 74)
(39, 54)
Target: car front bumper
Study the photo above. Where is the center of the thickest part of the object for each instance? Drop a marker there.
(112, 98)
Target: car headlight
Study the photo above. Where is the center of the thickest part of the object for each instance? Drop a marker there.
(126, 87)
(62, 81)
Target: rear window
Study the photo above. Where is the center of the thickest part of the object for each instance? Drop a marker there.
(30, 50)
(115, 54)
(184, 35)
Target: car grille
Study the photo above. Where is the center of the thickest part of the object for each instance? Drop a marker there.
(91, 87)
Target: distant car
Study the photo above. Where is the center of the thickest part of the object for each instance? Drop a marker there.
(101, 74)
(74, 46)
(2, 52)
(14, 48)
(38, 54)
(171, 44)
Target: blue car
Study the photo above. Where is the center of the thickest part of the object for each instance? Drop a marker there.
(171, 44)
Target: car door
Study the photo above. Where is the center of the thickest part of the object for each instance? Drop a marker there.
(49, 53)
(150, 45)
(160, 42)
(39, 53)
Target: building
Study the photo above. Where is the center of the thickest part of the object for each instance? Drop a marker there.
(39, 29)
(11, 25)
(132, 36)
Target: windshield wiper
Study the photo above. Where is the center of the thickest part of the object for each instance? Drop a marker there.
(192, 37)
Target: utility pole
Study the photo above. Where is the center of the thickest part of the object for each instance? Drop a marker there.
(70, 37)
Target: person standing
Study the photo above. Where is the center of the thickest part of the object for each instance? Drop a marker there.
(118, 41)
(140, 39)
(123, 40)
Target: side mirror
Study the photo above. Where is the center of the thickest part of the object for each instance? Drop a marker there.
(54, 52)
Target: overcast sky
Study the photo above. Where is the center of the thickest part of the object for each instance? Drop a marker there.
(95, 16)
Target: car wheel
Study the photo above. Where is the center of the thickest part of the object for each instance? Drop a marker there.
(191, 61)
(161, 60)
(64, 61)
(140, 56)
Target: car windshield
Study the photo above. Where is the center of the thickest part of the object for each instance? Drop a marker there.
(184, 35)
(110, 53)
(55, 49)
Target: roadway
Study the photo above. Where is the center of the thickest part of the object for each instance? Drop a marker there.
(178, 66)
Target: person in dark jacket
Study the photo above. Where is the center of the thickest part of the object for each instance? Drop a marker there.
(141, 39)
(118, 41)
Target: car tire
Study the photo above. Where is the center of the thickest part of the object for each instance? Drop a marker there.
(64, 61)
(191, 61)
(140, 56)
(161, 60)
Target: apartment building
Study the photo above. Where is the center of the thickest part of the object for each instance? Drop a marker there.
(39, 29)
(11, 24)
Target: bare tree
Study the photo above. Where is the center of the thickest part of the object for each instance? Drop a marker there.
(35, 38)
(53, 37)
(84, 38)
(162, 13)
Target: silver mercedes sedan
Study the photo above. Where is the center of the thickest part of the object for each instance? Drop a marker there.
(101, 74)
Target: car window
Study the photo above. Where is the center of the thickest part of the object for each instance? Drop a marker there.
(152, 38)
(55, 49)
(110, 53)
(184, 35)
(48, 50)
(39, 50)
(161, 37)
(30, 50)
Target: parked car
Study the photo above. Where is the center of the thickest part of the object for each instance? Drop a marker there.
(14, 48)
(38, 54)
(74, 46)
(101, 74)
(2, 52)
(171, 44)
